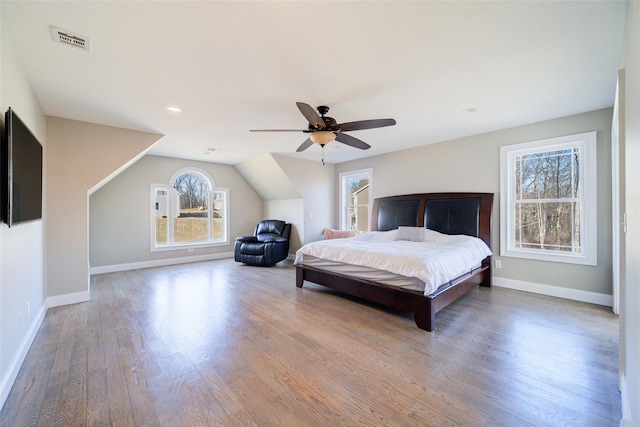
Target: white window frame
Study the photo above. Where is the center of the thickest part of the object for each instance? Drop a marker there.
(172, 208)
(345, 195)
(587, 144)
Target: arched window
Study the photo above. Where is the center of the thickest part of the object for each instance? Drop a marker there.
(188, 212)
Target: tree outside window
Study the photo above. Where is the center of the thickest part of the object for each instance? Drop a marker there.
(548, 199)
(189, 212)
(192, 222)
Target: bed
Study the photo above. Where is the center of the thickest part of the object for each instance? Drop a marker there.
(447, 213)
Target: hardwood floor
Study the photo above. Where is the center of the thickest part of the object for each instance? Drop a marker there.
(219, 343)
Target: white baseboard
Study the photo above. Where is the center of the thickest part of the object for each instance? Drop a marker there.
(66, 299)
(158, 263)
(554, 291)
(21, 353)
(626, 421)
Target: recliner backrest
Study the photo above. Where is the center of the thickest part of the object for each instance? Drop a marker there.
(271, 226)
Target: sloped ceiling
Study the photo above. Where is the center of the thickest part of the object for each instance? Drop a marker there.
(267, 177)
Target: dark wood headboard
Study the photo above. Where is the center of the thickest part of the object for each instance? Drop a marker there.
(449, 213)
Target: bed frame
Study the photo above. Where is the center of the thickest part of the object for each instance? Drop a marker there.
(450, 213)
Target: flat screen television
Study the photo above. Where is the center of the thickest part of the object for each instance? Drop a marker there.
(21, 161)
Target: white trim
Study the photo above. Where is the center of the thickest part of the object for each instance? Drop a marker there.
(626, 405)
(587, 142)
(153, 194)
(615, 198)
(554, 291)
(344, 195)
(66, 299)
(189, 246)
(20, 355)
(196, 170)
(172, 213)
(226, 210)
(158, 263)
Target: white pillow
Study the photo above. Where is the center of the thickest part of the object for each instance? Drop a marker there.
(412, 234)
(432, 235)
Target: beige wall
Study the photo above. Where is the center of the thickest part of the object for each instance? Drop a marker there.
(473, 164)
(22, 247)
(80, 156)
(300, 191)
(316, 183)
(281, 198)
(119, 217)
(291, 211)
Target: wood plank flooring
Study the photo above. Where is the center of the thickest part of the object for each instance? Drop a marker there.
(220, 343)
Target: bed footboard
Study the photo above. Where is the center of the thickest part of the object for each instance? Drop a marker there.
(424, 308)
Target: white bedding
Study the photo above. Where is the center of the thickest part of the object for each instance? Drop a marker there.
(437, 260)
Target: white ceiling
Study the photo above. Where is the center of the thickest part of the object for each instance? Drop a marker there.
(234, 66)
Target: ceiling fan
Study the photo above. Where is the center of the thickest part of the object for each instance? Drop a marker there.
(324, 129)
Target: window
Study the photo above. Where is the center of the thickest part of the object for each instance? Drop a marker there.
(188, 212)
(355, 200)
(548, 199)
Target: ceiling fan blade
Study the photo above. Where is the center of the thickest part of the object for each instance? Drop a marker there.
(308, 143)
(354, 142)
(310, 114)
(366, 124)
(275, 130)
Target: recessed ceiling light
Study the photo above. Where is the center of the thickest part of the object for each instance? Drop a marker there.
(174, 109)
(469, 110)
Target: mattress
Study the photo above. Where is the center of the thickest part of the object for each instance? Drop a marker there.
(436, 259)
(366, 273)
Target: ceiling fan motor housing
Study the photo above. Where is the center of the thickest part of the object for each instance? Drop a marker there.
(323, 109)
(330, 124)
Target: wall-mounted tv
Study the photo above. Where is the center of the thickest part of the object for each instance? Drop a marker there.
(21, 161)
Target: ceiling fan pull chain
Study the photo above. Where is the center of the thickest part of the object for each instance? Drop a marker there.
(322, 155)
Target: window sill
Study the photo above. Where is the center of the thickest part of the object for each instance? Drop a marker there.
(187, 246)
(538, 256)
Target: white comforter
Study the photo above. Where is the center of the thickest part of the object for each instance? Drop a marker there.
(436, 260)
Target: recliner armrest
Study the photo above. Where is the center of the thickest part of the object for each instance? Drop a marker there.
(247, 239)
(272, 239)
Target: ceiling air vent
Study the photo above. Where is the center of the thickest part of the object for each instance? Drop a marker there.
(71, 39)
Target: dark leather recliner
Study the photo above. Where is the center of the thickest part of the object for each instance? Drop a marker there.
(268, 245)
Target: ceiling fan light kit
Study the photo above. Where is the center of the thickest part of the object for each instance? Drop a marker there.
(322, 137)
(323, 129)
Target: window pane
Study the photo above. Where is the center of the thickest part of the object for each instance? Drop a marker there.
(161, 203)
(192, 222)
(548, 175)
(218, 209)
(358, 218)
(548, 226)
(358, 202)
